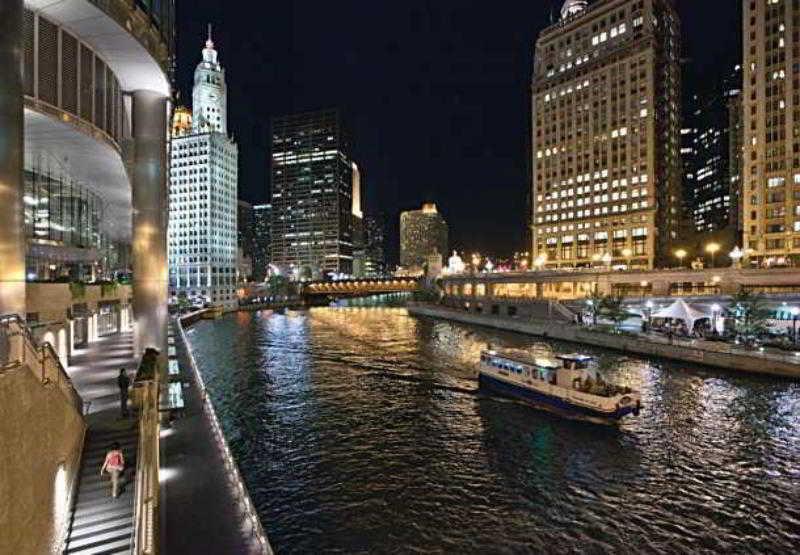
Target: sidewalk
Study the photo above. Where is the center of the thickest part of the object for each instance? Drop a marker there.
(94, 370)
(200, 511)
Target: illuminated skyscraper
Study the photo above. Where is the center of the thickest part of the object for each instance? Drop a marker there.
(709, 193)
(422, 233)
(262, 216)
(606, 135)
(771, 163)
(203, 195)
(313, 181)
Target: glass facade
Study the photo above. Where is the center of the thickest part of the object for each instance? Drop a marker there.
(63, 229)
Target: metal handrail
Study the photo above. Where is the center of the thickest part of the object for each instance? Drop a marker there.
(146, 501)
(41, 358)
(246, 503)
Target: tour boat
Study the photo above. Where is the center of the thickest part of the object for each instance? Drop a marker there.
(567, 383)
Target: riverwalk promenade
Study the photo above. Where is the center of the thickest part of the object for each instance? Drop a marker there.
(201, 504)
(694, 351)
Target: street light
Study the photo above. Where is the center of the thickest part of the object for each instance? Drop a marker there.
(712, 249)
(540, 261)
(680, 254)
(607, 259)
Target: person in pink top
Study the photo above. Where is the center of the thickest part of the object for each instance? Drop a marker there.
(115, 464)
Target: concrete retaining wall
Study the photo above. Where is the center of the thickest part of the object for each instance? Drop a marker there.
(41, 440)
(638, 345)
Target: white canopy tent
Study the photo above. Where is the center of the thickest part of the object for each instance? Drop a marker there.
(679, 310)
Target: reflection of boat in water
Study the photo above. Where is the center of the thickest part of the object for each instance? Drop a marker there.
(563, 382)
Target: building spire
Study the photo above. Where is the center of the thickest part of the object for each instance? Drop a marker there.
(209, 41)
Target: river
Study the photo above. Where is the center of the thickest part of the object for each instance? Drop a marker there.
(360, 431)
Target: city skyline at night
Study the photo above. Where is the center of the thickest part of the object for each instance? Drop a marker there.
(439, 97)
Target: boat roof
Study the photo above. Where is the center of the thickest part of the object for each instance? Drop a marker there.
(575, 357)
(525, 358)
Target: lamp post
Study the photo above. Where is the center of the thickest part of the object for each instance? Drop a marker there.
(680, 254)
(540, 261)
(607, 259)
(712, 249)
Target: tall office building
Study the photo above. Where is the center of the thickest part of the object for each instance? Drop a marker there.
(246, 232)
(771, 172)
(606, 135)
(203, 191)
(312, 195)
(736, 158)
(375, 256)
(262, 216)
(709, 194)
(422, 233)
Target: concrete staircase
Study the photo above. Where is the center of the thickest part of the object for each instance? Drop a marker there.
(101, 524)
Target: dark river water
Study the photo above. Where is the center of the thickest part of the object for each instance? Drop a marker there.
(359, 431)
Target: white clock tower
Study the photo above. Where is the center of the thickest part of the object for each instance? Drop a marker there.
(203, 195)
(210, 94)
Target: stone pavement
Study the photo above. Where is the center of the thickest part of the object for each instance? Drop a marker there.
(94, 370)
(200, 512)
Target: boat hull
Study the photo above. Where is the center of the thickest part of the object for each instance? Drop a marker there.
(539, 399)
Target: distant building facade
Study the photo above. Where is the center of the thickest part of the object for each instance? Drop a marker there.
(606, 135)
(262, 216)
(735, 158)
(312, 195)
(246, 232)
(423, 233)
(375, 255)
(709, 194)
(202, 236)
(771, 172)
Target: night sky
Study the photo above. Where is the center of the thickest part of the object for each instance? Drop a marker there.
(437, 92)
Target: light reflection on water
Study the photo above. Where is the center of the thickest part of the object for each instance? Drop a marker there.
(355, 432)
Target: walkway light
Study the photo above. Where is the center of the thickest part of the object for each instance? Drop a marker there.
(607, 259)
(680, 254)
(540, 261)
(712, 249)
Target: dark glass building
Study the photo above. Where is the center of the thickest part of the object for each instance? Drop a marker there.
(312, 195)
(706, 153)
(375, 257)
(262, 215)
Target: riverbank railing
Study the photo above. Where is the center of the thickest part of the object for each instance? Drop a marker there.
(235, 476)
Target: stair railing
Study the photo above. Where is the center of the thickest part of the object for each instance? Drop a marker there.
(20, 348)
(146, 503)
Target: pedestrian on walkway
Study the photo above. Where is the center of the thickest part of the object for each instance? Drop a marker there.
(124, 383)
(114, 464)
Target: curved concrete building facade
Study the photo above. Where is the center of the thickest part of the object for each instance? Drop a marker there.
(83, 172)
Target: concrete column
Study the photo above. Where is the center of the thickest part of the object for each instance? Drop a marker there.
(12, 125)
(149, 171)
